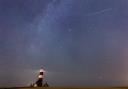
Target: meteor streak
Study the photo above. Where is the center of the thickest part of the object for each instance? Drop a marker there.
(99, 12)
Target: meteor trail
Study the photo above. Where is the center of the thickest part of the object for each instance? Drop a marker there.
(99, 12)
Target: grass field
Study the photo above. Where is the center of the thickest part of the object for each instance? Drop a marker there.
(69, 88)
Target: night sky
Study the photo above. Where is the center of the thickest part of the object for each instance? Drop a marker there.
(77, 42)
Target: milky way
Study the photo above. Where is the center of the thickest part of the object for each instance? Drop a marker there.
(78, 42)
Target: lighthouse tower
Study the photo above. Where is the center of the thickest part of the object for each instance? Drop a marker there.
(39, 82)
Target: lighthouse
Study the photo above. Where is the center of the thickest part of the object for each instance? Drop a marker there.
(39, 82)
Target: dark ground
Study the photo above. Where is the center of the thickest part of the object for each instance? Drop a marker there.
(67, 88)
